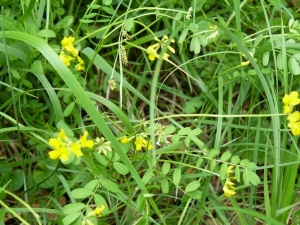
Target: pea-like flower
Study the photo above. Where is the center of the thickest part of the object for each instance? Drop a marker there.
(64, 147)
(152, 49)
(289, 101)
(68, 47)
(97, 211)
(229, 188)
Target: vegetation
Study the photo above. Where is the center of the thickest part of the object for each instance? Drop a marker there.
(149, 112)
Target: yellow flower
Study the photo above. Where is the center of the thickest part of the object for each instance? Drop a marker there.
(125, 139)
(294, 117)
(152, 49)
(287, 109)
(229, 170)
(295, 128)
(84, 142)
(62, 153)
(229, 188)
(99, 210)
(79, 66)
(67, 44)
(76, 148)
(139, 143)
(291, 99)
(65, 58)
(64, 147)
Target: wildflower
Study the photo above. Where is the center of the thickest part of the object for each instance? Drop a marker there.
(103, 146)
(189, 13)
(64, 147)
(65, 58)
(295, 128)
(289, 101)
(294, 117)
(125, 139)
(67, 45)
(229, 185)
(99, 210)
(152, 49)
(79, 66)
(247, 62)
(140, 143)
(84, 142)
(229, 188)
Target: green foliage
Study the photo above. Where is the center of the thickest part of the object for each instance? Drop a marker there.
(181, 100)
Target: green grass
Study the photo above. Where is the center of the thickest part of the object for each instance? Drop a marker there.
(215, 102)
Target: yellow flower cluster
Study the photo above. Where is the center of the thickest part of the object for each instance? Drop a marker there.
(152, 49)
(229, 185)
(140, 142)
(67, 46)
(96, 212)
(289, 102)
(64, 147)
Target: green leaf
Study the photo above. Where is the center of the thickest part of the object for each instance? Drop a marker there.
(266, 58)
(199, 161)
(225, 156)
(193, 27)
(109, 185)
(90, 15)
(258, 39)
(166, 168)
(141, 203)
(244, 162)
(202, 40)
(128, 25)
(120, 168)
(170, 130)
(195, 194)
(107, 2)
(17, 180)
(91, 185)
(69, 109)
(108, 10)
(235, 159)
(294, 66)
(184, 131)
(176, 176)
(223, 171)
(212, 164)
(183, 36)
(192, 186)
(237, 173)
(71, 218)
(94, 6)
(165, 185)
(81, 193)
(275, 3)
(195, 45)
(251, 165)
(46, 33)
(86, 21)
(73, 208)
(254, 178)
(246, 177)
(213, 153)
(195, 132)
(175, 138)
(280, 62)
(147, 177)
(100, 158)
